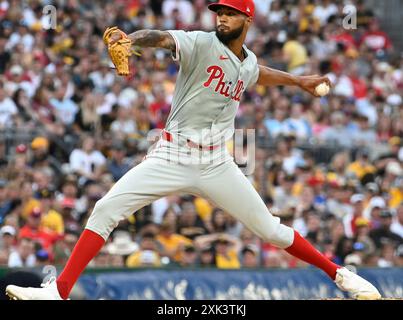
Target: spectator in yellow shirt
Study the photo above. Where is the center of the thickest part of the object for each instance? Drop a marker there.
(171, 242)
(147, 256)
(361, 166)
(226, 247)
(52, 219)
(295, 54)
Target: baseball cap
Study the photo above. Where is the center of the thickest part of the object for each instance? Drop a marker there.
(46, 193)
(42, 255)
(36, 212)
(372, 186)
(247, 7)
(394, 141)
(386, 214)
(358, 246)
(362, 222)
(7, 230)
(68, 203)
(21, 148)
(250, 248)
(377, 202)
(39, 142)
(394, 168)
(356, 198)
(16, 70)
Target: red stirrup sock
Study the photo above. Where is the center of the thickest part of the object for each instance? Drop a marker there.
(303, 250)
(86, 248)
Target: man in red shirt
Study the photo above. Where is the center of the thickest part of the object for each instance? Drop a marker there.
(34, 231)
(375, 39)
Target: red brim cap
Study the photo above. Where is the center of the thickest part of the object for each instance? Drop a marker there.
(215, 6)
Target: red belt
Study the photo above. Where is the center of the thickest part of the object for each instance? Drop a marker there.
(168, 137)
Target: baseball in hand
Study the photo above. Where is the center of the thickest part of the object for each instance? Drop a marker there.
(322, 89)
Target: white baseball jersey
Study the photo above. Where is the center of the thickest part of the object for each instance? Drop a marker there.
(209, 86)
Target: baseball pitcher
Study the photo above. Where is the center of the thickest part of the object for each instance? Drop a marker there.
(191, 157)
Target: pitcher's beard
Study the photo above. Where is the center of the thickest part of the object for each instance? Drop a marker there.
(227, 37)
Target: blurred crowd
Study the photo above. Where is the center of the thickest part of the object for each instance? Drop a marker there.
(70, 128)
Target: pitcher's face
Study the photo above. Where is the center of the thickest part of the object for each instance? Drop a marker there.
(231, 24)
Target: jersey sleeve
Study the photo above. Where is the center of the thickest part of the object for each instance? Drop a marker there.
(186, 46)
(255, 76)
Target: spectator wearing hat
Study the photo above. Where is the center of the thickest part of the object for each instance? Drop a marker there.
(69, 215)
(7, 243)
(363, 228)
(24, 255)
(371, 190)
(42, 257)
(349, 220)
(147, 256)
(357, 256)
(121, 247)
(41, 157)
(33, 230)
(249, 257)
(383, 232)
(52, 220)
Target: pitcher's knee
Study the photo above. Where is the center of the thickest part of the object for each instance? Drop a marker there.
(104, 217)
(279, 235)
